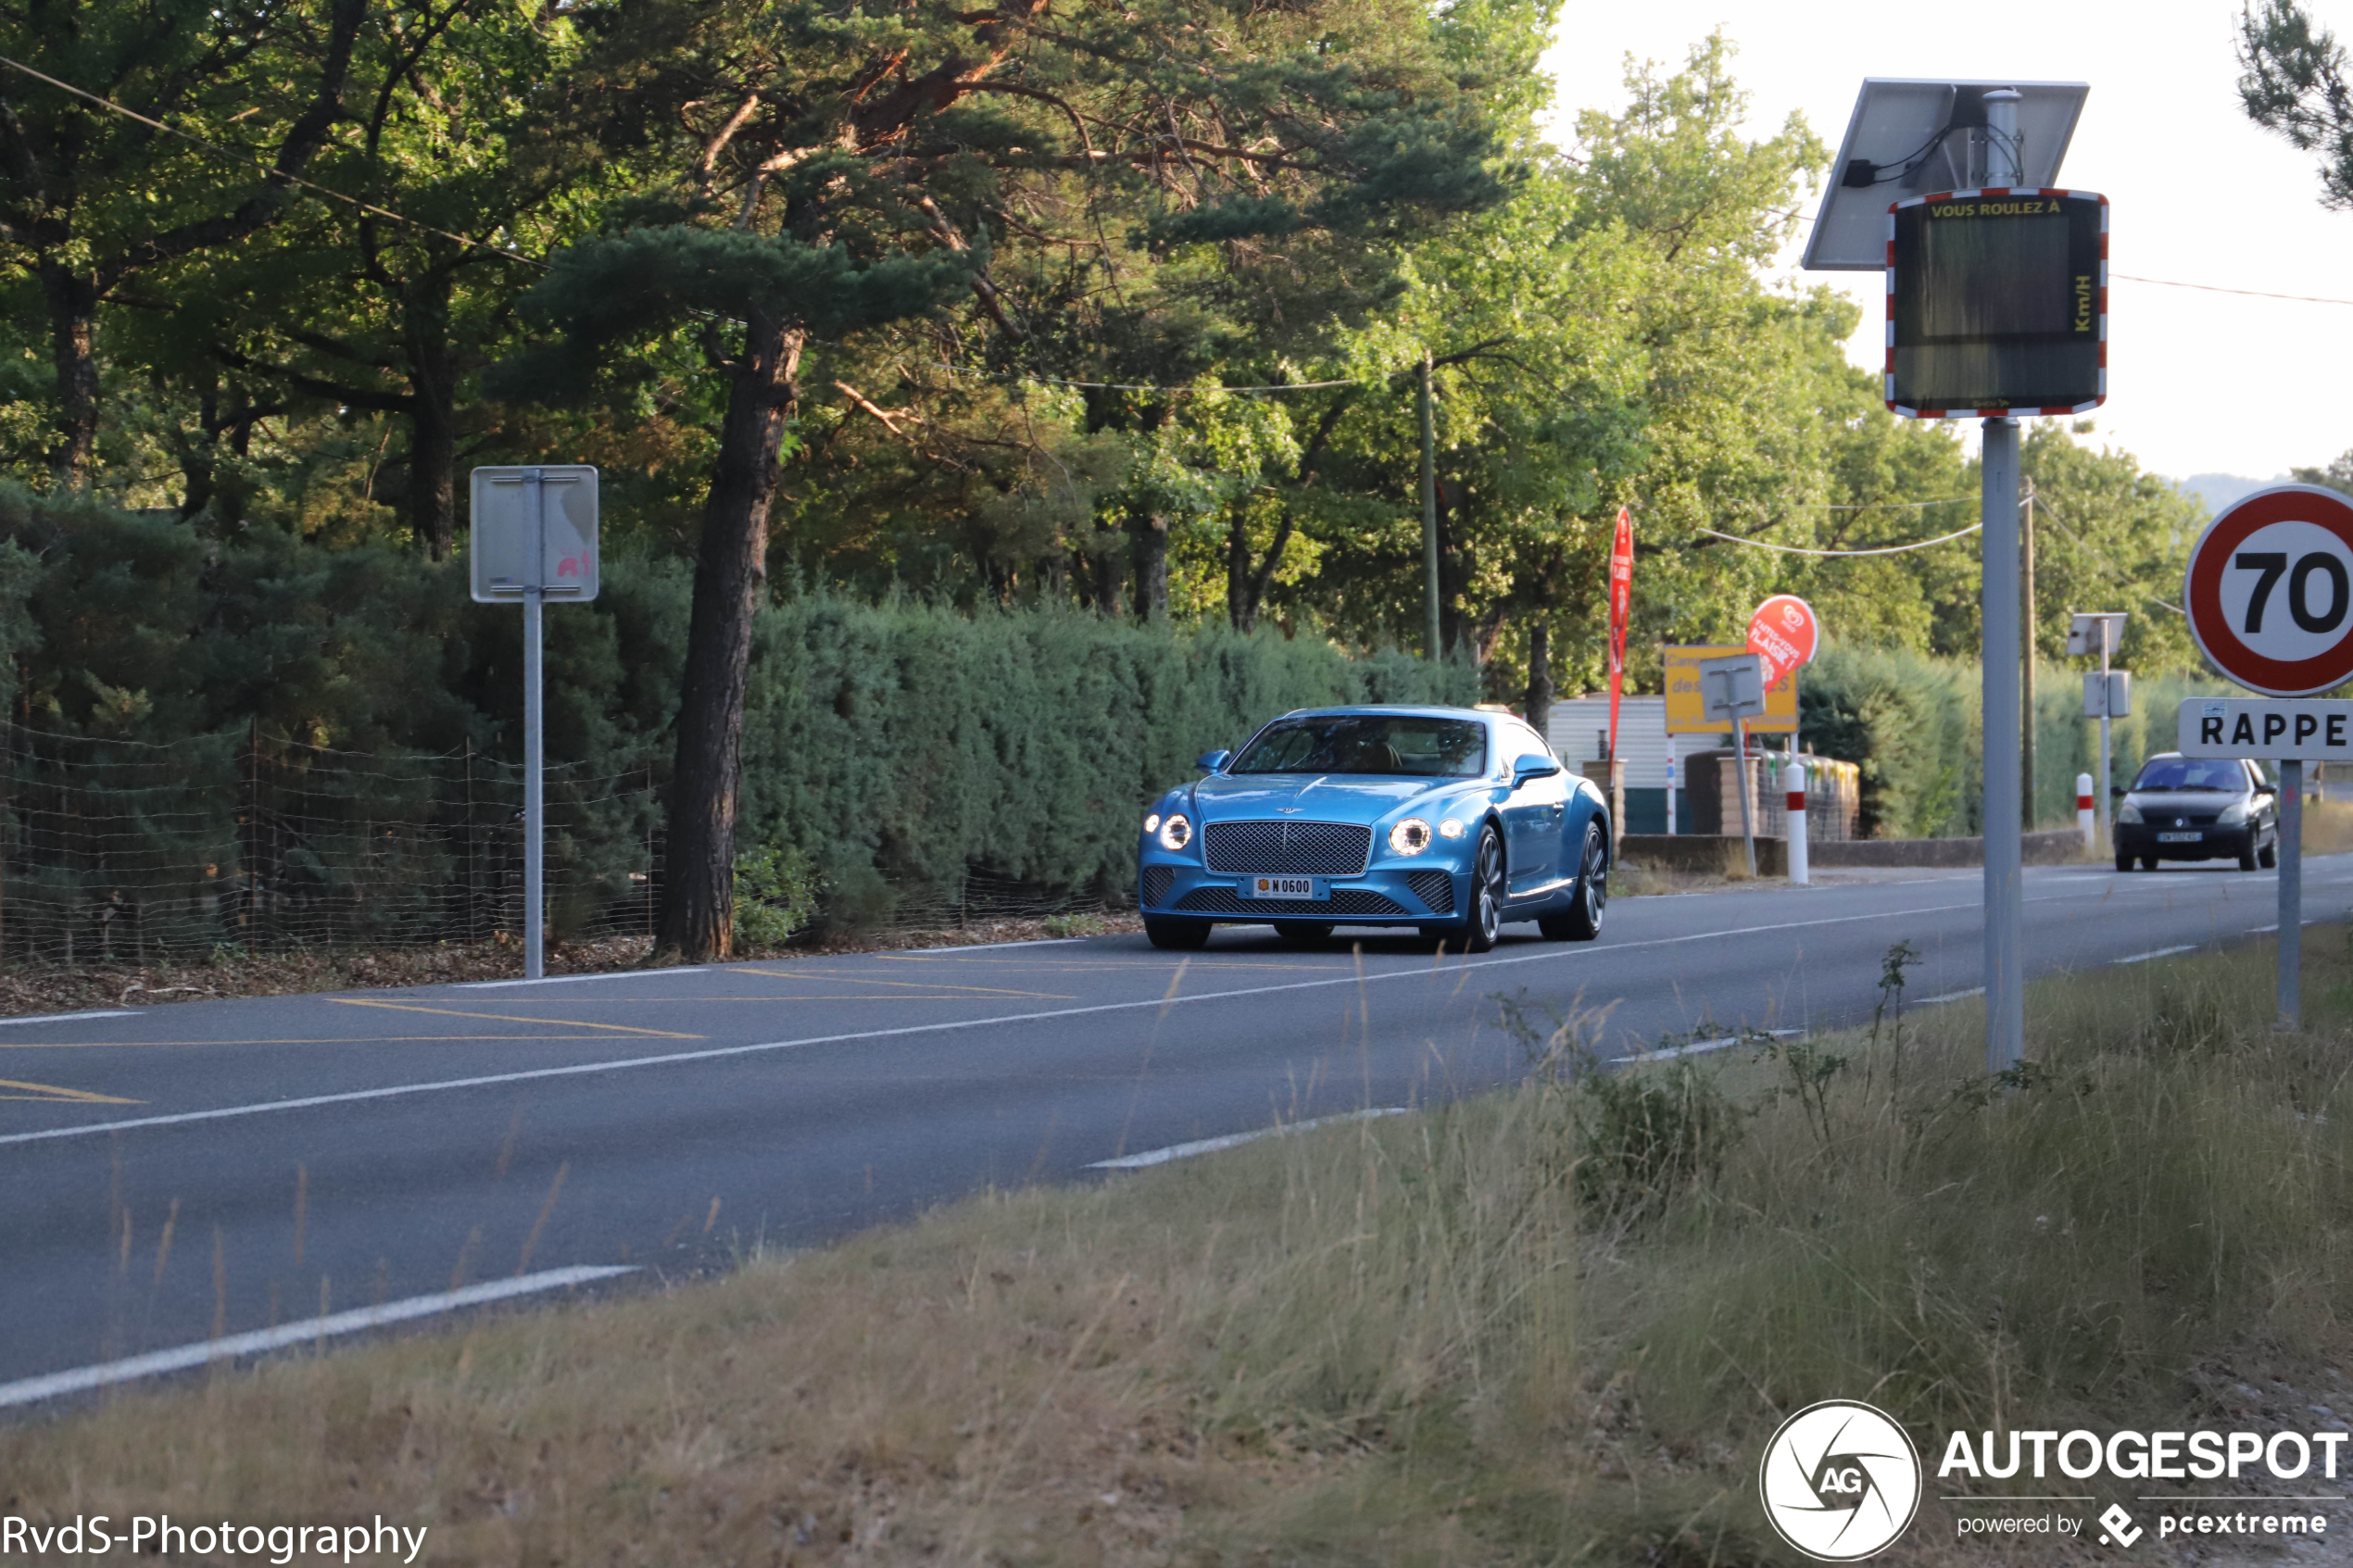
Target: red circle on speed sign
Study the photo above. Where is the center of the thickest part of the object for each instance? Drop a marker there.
(1784, 634)
(2269, 591)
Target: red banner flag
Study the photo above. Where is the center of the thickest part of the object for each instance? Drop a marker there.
(1621, 599)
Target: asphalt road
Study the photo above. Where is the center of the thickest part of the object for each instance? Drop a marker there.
(173, 1173)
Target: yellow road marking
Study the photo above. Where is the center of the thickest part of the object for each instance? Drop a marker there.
(510, 1018)
(54, 1095)
(908, 985)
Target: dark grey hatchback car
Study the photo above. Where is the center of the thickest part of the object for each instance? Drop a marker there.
(2198, 809)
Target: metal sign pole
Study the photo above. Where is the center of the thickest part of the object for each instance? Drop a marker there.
(2106, 833)
(1748, 828)
(2004, 890)
(534, 745)
(2291, 858)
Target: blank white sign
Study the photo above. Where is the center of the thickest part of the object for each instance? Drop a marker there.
(505, 528)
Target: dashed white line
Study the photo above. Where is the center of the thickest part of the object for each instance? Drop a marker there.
(1949, 997)
(70, 1017)
(2159, 953)
(1701, 1048)
(51, 1386)
(1235, 1140)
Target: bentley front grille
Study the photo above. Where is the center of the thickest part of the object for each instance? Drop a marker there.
(1344, 902)
(1291, 848)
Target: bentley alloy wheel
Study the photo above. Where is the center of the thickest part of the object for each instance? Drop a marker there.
(1581, 921)
(1485, 921)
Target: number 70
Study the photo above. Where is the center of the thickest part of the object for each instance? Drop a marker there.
(2273, 565)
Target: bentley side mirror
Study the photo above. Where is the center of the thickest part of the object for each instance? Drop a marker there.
(1210, 761)
(1535, 765)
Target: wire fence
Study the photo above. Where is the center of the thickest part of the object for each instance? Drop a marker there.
(122, 852)
(115, 851)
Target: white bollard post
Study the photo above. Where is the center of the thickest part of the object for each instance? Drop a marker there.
(2086, 815)
(1798, 870)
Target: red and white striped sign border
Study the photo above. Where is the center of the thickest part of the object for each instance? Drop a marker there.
(1900, 409)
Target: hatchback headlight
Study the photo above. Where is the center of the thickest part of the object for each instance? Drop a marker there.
(2128, 813)
(1410, 836)
(2234, 815)
(1175, 832)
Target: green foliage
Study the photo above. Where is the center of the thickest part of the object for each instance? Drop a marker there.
(2293, 82)
(904, 746)
(777, 894)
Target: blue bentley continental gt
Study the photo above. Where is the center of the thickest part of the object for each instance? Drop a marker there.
(1452, 819)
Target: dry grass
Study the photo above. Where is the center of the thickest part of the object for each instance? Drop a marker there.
(1546, 1326)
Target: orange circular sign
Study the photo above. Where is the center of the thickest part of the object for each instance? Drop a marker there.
(1784, 634)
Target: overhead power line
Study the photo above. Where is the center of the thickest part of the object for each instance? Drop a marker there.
(1882, 550)
(250, 161)
(2216, 288)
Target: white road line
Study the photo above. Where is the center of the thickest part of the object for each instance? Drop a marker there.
(1949, 997)
(575, 979)
(2157, 953)
(719, 1053)
(1701, 1048)
(70, 1017)
(1235, 1140)
(29, 1390)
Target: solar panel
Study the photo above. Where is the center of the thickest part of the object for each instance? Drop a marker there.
(1914, 137)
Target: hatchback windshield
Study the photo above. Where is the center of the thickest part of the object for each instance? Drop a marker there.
(2191, 773)
(1368, 743)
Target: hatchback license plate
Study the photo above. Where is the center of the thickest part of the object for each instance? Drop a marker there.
(1284, 887)
(2179, 837)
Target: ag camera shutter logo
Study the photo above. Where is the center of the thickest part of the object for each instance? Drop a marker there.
(1840, 1481)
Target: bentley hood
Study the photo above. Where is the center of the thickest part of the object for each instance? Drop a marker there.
(1328, 798)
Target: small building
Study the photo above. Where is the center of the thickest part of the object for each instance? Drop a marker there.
(1579, 731)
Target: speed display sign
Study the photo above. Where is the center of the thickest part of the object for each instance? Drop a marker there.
(2269, 591)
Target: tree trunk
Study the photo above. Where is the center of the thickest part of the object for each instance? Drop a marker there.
(1148, 543)
(1539, 676)
(1106, 575)
(697, 917)
(432, 415)
(73, 321)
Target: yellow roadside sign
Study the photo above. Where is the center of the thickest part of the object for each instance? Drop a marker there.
(1684, 713)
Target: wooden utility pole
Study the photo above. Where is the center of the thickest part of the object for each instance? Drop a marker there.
(1429, 511)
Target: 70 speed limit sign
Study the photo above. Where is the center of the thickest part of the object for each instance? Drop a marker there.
(2269, 591)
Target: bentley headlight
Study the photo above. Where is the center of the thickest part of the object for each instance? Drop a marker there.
(1450, 828)
(2128, 813)
(2234, 815)
(1410, 836)
(1151, 823)
(1175, 832)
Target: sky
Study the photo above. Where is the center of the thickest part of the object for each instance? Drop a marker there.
(2198, 381)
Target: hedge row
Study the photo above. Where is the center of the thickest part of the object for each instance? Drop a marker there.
(904, 747)
(1911, 723)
